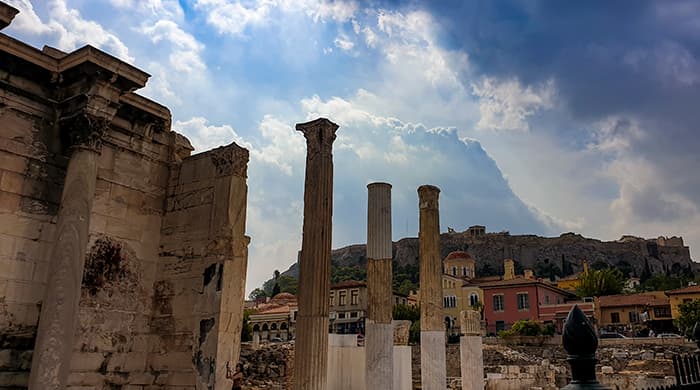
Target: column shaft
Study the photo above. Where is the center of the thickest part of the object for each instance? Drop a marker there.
(59, 311)
(433, 369)
(311, 353)
(471, 351)
(379, 344)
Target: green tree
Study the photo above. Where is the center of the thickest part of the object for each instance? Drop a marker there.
(257, 294)
(276, 288)
(414, 333)
(663, 282)
(689, 314)
(547, 269)
(247, 330)
(523, 328)
(600, 282)
(406, 312)
(286, 283)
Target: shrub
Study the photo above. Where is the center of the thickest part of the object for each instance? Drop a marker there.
(522, 328)
(548, 330)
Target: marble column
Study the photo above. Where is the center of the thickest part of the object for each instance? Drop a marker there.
(471, 351)
(311, 351)
(432, 326)
(59, 310)
(379, 342)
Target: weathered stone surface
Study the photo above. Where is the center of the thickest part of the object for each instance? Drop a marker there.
(139, 273)
(310, 370)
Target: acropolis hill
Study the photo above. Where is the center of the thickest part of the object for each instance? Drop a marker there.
(567, 252)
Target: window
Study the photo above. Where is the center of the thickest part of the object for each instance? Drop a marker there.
(663, 311)
(558, 300)
(341, 298)
(341, 315)
(332, 298)
(634, 317)
(523, 301)
(353, 297)
(473, 299)
(498, 303)
(500, 325)
(353, 314)
(546, 299)
(686, 300)
(450, 301)
(464, 271)
(454, 271)
(615, 318)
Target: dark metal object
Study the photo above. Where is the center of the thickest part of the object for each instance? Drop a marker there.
(581, 343)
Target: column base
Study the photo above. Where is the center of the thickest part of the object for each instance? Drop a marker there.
(379, 347)
(433, 369)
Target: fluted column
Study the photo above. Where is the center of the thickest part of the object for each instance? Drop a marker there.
(379, 344)
(311, 351)
(432, 327)
(471, 351)
(59, 310)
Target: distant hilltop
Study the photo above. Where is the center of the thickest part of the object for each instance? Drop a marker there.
(563, 255)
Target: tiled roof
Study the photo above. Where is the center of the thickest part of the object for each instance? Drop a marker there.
(632, 300)
(458, 255)
(684, 290)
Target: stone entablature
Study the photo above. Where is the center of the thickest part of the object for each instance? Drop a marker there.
(156, 235)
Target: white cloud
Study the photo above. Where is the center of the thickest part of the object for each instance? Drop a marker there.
(69, 28)
(169, 9)
(185, 55)
(507, 105)
(343, 43)
(235, 17)
(615, 134)
(669, 61)
(204, 136)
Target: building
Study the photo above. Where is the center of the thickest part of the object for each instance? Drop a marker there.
(518, 297)
(115, 242)
(275, 318)
(631, 313)
(348, 306)
(458, 290)
(570, 283)
(682, 295)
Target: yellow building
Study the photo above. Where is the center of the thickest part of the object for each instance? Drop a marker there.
(633, 311)
(570, 283)
(682, 295)
(457, 291)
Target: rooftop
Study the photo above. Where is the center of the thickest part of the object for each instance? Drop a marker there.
(642, 299)
(684, 290)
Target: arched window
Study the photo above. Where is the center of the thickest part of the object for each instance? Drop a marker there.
(256, 328)
(464, 271)
(473, 299)
(264, 328)
(283, 326)
(273, 327)
(454, 271)
(453, 300)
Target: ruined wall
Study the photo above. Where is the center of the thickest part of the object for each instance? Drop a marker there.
(31, 178)
(121, 260)
(161, 292)
(202, 261)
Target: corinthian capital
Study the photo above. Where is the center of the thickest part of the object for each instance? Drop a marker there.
(319, 134)
(85, 131)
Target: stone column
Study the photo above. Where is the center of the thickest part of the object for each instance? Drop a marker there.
(59, 310)
(311, 351)
(379, 330)
(432, 327)
(471, 351)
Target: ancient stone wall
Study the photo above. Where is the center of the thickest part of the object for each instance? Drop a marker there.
(159, 300)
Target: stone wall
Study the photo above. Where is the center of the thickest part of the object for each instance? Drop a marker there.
(161, 297)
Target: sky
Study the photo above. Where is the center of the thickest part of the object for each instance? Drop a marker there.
(535, 117)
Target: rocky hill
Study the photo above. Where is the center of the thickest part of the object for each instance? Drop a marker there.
(563, 255)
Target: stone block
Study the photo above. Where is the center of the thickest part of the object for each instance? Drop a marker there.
(11, 182)
(9, 201)
(120, 228)
(14, 379)
(181, 378)
(23, 292)
(13, 269)
(17, 226)
(171, 361)
(607, 370)
(141, 378)
(13, 162)
(86, 361)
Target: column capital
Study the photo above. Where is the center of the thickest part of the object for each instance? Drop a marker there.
(85, 131)
(230, 160)
(428, 197)
(319, 134)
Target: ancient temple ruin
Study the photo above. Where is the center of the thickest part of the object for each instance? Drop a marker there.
(123, 257)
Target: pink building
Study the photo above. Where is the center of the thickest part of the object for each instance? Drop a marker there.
(521, 297)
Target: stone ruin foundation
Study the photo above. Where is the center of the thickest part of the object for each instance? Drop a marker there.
(122, 256)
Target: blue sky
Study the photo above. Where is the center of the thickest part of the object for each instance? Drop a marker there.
(532, 116)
